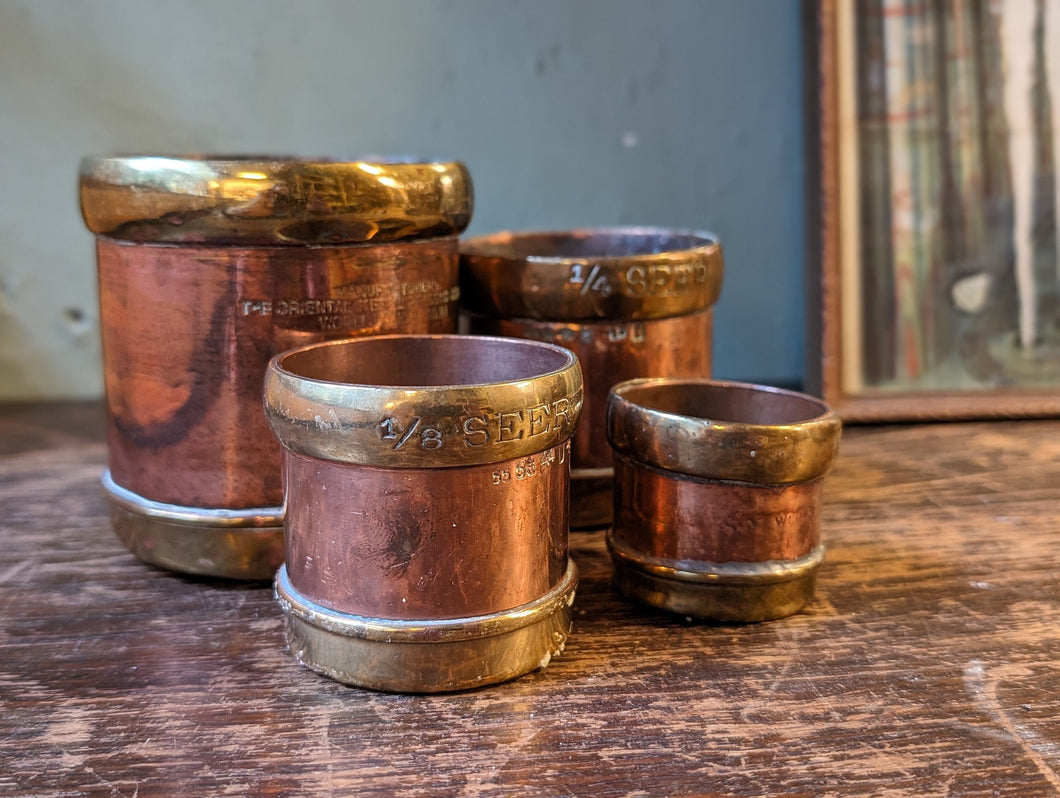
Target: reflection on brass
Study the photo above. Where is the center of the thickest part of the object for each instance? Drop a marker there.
(427, 484)
(187, 331)
(347, 404)
(629, 301)
(261, 201)
(717, 495)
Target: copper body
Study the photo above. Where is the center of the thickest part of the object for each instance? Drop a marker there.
(717, 495)
(713, 521)
(614, 352)
(630, 302)
(188, 330)
(429, 543)
(209, 267)
(427, 482)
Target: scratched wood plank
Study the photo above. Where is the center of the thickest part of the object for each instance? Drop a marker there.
(928, 664)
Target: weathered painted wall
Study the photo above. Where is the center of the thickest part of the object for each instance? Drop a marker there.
(685, 113)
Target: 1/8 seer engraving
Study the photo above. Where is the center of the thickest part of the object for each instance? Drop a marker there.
(518, 425)
(553, 417)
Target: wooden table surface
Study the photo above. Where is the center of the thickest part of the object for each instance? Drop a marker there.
(928, 664)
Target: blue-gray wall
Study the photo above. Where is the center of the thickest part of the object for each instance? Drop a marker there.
(568, 113)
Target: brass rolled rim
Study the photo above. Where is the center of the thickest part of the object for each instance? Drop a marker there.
(272, 201)
(714, 429)
(428, 656)
(384, 400)
(613, 273)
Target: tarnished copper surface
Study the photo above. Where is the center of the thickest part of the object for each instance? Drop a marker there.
(427, 543)
(717, 495)
(715, 521)
(251, 200)
(611, 352)
(427, 481)
(209, 267)
(188, 330)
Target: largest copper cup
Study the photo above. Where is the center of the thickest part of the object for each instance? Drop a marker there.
(629, 301)
(427, 500)
(208, 268)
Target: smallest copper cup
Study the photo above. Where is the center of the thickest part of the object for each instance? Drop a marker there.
(717, 495)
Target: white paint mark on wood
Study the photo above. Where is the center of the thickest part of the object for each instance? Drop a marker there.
(982, 685)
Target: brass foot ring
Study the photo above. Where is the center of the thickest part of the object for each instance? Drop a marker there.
(231, 544)
(733, 591)
(427, 656)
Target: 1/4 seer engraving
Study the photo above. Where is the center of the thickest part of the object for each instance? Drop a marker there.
(663, 280)
(596, 282)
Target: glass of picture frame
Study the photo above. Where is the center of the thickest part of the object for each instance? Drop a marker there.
(938, 194)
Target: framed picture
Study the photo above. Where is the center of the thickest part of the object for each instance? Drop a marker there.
(939, 187)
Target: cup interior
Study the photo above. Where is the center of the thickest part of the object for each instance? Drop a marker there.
(425, 361)
(587, 244)
(726, 402)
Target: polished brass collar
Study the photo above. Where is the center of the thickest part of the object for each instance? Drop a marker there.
(258, 200)
(613, 273)
(424, 401)
(723, 430)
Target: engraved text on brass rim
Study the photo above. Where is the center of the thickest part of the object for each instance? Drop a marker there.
(263, 200)
(424, 401)
(615, 273)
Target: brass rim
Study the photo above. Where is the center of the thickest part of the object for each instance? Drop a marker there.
(249, 200)
(723, 430)
(315, 408)
(614, 273)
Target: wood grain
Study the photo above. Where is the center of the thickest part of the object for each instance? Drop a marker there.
(928, 664)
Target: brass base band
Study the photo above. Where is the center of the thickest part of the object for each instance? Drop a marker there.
(232, 544)
(732, 591)
(427, 656)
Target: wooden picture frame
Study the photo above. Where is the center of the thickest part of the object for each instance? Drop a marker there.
(954, 351)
